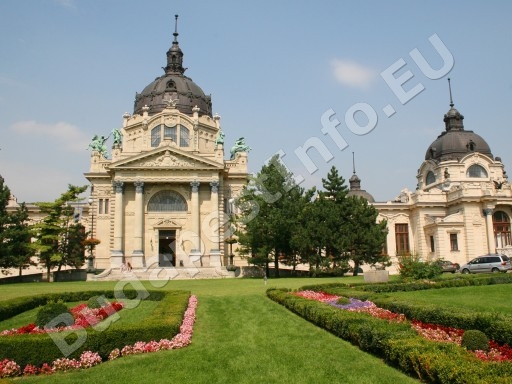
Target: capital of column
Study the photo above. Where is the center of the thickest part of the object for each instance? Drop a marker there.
(215, 186)
(139, 186)
(195, 186)
(488, 211)
(118, 186)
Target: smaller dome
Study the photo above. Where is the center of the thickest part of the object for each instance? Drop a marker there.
(355, 189)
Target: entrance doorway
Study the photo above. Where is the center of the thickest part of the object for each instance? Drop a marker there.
(166, 248)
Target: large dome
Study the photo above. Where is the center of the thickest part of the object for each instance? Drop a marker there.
(455, 142)
(173, 88)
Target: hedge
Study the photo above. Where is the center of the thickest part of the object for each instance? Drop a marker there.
(398, 344)
(496, 326)
(163, 323)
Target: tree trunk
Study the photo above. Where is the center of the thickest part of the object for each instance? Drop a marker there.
(356, 267)
(276, 265)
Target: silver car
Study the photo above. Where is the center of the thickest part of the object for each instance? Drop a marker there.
(487, 263)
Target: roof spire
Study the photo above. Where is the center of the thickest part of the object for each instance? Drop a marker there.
(453, 118)
(450, 88)
(175, 34)
(174, 54)
(353, 164)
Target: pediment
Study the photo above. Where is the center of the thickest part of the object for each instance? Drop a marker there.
(166, 158)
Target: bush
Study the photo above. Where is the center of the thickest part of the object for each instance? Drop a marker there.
(412, 268)
(343, 300)
(50, 312)
(97, 302)
(475, 340)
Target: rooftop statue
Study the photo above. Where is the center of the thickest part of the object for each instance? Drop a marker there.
(98, 144)
(118, 137)
(220, 138)
(239, 146)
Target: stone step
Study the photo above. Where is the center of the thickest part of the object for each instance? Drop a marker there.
(181, 273)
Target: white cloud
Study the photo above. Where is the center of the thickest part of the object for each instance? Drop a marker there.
(66, 136)
(350, 73)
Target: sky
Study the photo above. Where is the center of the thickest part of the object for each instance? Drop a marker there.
(69, 69)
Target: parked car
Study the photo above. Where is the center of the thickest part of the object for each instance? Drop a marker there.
(448, 266)
(487, 263)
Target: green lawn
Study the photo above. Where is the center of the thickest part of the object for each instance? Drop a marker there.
(487, 298)
(240, 337)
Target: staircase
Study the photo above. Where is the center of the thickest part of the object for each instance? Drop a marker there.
(158, 273)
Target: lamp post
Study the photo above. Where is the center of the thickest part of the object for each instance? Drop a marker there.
(90, 259)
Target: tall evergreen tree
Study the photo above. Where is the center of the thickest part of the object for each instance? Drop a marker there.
(365, 237)
(269, 216)
(18, 240)
(5, 194)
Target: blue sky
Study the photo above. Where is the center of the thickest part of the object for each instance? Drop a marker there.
(69, 69)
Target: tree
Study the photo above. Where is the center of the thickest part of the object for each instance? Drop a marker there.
(5, 194)
(15, 234)
(269, 208)
(325, 220)
(365, 237)
(18, 239)
(52, 233)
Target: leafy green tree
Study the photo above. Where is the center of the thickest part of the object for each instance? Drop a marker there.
(52, 232)
(269, 208)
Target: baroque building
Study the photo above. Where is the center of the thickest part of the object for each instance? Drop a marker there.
(163, 196)
(462, 204)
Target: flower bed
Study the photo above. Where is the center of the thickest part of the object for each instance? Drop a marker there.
(9, 368)
(82, 315)
(431, 332)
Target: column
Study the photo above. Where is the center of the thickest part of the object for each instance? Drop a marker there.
(491, 246)
(215, 236)
(195, 253)
(138, 253)
(116, 256)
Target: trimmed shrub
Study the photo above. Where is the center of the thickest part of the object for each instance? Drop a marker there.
(475, 340)
(97, 302)
(53, 313)
(163, 323)
(343, 300)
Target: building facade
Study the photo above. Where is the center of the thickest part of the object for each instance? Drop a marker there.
(462, 205)
(163, 194)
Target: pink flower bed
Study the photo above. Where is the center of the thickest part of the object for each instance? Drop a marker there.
(432, 332)
(9, 368)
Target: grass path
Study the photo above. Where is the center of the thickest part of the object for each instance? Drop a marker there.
(242, 337)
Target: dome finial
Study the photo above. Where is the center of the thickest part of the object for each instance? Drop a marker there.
(353, 164)
(175, 34)
(450, 88)
(174, 54)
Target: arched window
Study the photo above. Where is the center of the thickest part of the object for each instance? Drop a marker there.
(156, 136)
(167, 201)
(184, 136)
(171, 133)
(476, 171)
(431, 178)
(501, 224)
